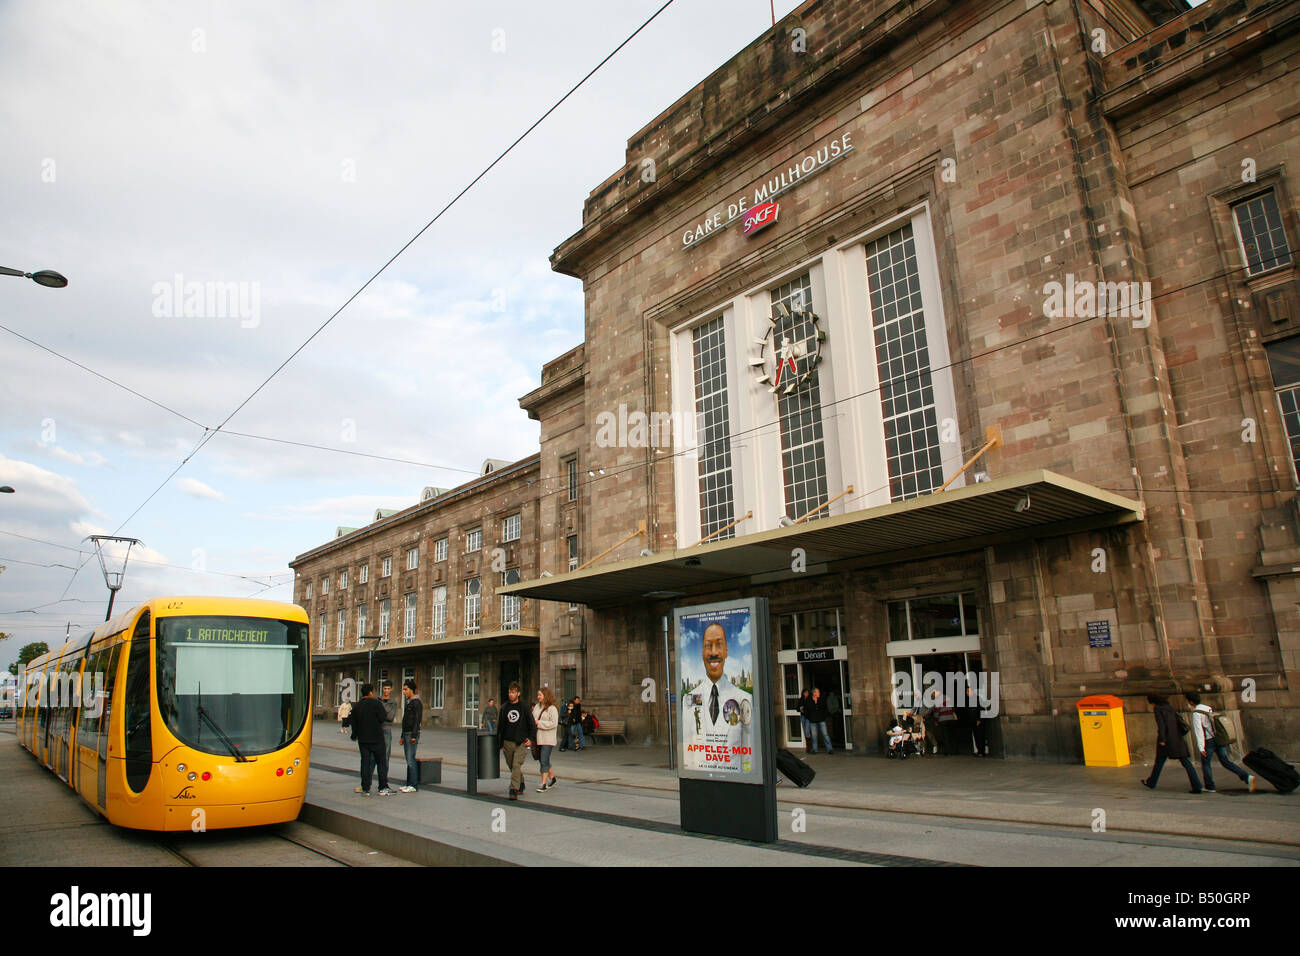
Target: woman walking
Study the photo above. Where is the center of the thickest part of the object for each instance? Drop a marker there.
(547, 716)
(1169, 743)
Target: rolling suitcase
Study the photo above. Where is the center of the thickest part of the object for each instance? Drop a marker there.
(794, 769)
(1273, 769)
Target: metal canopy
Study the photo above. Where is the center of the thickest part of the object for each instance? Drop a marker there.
(960, 519)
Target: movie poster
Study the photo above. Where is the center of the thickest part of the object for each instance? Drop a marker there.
(719, 707)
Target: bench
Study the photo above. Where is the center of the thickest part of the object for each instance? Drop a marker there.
(430, 769)
(611, 729)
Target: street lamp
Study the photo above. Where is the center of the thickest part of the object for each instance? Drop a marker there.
(370, 658)
(112, 578)
(46, 277)
(6, 490)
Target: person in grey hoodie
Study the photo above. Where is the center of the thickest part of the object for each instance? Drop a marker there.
(1203, 731)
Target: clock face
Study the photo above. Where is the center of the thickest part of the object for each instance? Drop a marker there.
(789, 351)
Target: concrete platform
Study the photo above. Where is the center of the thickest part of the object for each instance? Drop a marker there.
(618, 805)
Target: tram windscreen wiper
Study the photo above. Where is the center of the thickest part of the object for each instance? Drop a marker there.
(221, 734)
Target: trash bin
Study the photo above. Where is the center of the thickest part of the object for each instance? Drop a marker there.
(1101, 722)
(489, 766)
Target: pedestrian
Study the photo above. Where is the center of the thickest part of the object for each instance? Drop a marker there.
(411, 718)
(576, 715)
(563, 730)
(1212, 740)
(930, 722)
(805, 698)
(547, 718)
(490, 716)
(1169, 743)
(367, 722)
(817, 718)
(390, 716)
(518, 730)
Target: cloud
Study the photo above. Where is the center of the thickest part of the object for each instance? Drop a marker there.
(197, 489)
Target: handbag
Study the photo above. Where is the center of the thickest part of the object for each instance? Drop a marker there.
(536, 748)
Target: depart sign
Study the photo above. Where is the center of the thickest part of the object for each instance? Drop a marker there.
(757, 208)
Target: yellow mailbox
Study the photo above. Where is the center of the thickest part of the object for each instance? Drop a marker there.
(1101, 722)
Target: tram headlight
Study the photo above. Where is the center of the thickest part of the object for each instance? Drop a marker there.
(180, 767)
(191, 775)
(296, 761)
(289, 771)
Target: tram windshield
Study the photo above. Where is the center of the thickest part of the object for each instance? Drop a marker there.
(232, 682)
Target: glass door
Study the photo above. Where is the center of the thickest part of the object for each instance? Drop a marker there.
(470, 717)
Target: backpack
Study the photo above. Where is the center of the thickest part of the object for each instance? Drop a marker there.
(1183, 729)
(1222, 732)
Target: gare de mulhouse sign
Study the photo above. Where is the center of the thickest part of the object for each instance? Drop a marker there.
(762, 211)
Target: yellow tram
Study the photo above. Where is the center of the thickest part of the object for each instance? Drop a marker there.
(184, 713)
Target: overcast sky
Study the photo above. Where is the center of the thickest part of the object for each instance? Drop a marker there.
(290, 149)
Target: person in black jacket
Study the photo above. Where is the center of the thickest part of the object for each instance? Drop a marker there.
(367, 720)
(576, 713)
(514, 735)
(816, 711)
(1169, 743)
(411, 718)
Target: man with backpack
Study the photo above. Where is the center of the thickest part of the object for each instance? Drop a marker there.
(1212, 739)
(1169, 743)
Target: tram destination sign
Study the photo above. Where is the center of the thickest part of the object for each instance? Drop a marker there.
(226, 635)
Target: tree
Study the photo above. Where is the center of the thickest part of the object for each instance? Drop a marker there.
(29, 653)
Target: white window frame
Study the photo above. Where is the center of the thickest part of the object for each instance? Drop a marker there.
(440, 550)
(387, 571)
(409, 612)
(473, 605)
(363, 618)
(440, 611)
(853, 429)
(324, 630)
(437, 680)
(385, 619)
(412, 559)
(308, 597)
(343, 580)
(473, 540)
(511, 604)
(325, 585)
(511, 526)
(363, 574)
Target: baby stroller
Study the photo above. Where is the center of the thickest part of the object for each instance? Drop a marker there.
(905, 739)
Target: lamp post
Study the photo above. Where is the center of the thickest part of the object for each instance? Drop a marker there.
(6, 490)
(112, 578)
(46, 277)
(370, 657)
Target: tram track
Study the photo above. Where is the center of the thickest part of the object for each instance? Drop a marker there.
(227, 841)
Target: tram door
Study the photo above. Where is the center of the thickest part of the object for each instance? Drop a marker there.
(112, 658)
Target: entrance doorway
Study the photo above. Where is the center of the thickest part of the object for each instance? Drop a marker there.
(829, 677)
(812, 653)
(948, 682)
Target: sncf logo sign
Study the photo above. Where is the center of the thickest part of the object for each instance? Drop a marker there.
(760, 217)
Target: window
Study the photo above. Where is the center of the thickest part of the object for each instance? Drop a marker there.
(363, 574)
(361, 624)
(1284, 360)
(440, 550)
(343, 580)
(714, 441)
(510, 603)
(473, 540)
(473, 605)
(928, 618)
(387, 571)
(412, 558)
(903, 363)
(470, 716)
(341, 629)
(571, 465)
(573, 560)
(440, 611)
(385, 617)
(437, 675)
(803, 450)
(1261, 234)
(308, 590)
(321, 631)
(408, 621)
(324, 586)
(510, 528)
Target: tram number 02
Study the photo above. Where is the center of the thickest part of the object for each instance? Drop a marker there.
(174, 605)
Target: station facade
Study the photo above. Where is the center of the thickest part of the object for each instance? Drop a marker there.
(1049, 243)
(415, 594)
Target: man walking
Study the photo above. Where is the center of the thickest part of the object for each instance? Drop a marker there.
(367, 720)
(817, 718)
(518, 730)
(411, 718)
(1211, 741)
